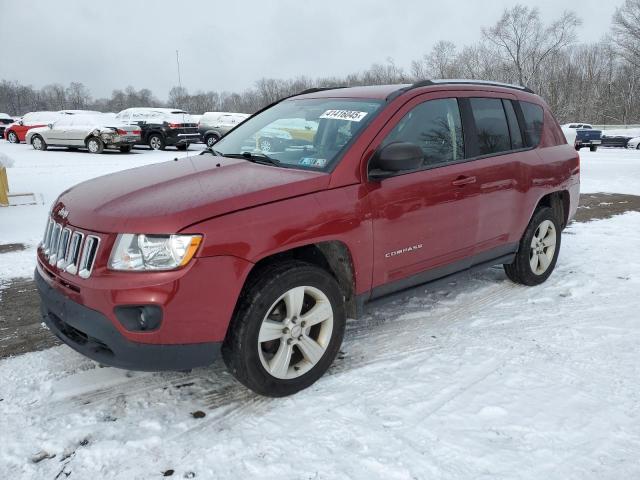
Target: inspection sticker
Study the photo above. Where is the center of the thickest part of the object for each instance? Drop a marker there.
(350, 115)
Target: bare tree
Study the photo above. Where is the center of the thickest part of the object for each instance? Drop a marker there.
(525, 42)
(626, 31)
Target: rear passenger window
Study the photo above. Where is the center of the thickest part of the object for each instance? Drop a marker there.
(434, 126)
(491, 125)
(532, 122)
(514, 127)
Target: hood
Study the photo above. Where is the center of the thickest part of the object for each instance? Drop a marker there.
(167, 197)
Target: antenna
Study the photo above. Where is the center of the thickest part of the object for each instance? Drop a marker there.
(178, 62)
(180, 83)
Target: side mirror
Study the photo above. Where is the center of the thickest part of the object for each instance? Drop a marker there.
(20, 123)
(395, 157)
(50, 125)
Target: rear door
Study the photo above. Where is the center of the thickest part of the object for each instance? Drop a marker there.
(498, 147)
(424, 222)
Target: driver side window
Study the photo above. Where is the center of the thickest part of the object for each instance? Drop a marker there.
(435, 126)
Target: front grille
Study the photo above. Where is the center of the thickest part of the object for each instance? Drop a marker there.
(69, 250)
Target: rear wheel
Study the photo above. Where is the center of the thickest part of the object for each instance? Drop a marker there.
(183, 146)
(211, 140)
(38, 143)
(287, 329)
(156, 142)
(538, 250)
(578, 147)
(95, 145)
(125, 148)
(13, 137)
(593, 148)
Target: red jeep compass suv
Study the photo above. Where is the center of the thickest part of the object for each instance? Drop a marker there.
(261, 256)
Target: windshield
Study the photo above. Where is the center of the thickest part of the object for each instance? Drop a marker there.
(304, 133)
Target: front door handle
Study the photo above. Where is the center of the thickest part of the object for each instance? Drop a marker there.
(462, 181)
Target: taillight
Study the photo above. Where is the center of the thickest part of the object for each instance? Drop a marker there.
(136, 132)
(120, 131)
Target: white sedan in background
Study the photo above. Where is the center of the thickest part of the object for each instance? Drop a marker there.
(634, 143)
(94, 132)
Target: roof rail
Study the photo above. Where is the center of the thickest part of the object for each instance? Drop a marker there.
(456, 81)
(316, 89)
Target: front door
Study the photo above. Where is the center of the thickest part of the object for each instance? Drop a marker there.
(424, 222)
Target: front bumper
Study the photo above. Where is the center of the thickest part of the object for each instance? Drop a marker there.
(92, 334)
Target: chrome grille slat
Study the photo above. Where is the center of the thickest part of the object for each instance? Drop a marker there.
(69, 250)
(88, 258)
(73, 253)
(55, 243)
(61, 254)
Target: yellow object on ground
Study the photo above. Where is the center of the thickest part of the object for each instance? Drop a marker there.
(4, 187)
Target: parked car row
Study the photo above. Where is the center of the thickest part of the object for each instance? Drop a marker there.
(584, 135)
(157, 128)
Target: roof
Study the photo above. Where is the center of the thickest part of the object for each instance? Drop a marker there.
(387, 92)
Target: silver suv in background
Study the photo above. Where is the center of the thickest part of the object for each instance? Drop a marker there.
(214, 125)
(94, 132)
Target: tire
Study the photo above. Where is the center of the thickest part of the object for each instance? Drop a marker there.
(125, 148)
(38, 143)
(578, 148)
(594, 148)
(543, 226)
(12, 137)
(182, 147)
(95, 145)
(210, 140)
(253, 362)
(638, 146)
(156, 142)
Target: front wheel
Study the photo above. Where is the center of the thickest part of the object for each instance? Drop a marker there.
(13, 137)
(287, 329)
(38, 143)
(95, 145)
(125, 148)
(182, 146)
(538, 250)
(578, 148)
(593, 148)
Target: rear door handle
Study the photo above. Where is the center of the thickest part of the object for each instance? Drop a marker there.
(462, 181)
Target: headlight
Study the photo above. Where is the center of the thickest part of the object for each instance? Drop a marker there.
(153, 252)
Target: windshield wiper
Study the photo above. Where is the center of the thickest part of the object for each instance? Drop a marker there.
(255, 158)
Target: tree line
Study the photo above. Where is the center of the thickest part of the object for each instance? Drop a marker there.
(594, 82)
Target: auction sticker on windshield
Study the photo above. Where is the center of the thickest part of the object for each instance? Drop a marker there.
(350, 115)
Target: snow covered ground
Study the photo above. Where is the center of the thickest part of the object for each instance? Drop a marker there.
(472, 378)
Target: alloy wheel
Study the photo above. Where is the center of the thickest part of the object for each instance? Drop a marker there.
(12, 137)
(93, 146)
(295, 333)
(154, 143)
(37, 143)
(543, 247)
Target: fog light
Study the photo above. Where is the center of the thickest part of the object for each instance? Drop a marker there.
(139, 318)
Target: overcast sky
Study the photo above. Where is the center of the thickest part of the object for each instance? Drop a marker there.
(228, 45)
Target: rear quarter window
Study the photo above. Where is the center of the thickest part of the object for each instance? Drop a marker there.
(533, 122)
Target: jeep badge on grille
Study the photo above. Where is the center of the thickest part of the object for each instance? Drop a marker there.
(63, 212)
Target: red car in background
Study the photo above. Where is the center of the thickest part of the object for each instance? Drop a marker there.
(15, 133)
